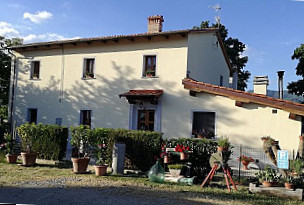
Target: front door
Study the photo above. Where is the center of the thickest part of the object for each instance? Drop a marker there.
(145, 120)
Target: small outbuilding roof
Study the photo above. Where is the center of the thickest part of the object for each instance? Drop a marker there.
(142, 95)
(244, 97)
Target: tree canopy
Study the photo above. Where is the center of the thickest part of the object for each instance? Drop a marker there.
(297, 87)
(234, 49)
(5, 68)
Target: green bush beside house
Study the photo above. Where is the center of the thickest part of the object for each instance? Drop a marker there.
(49, 141)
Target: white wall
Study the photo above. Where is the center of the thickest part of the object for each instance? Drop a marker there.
(118, 69)
(206, 61)
(243, 125)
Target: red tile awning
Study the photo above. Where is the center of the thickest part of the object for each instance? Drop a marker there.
(142, 95)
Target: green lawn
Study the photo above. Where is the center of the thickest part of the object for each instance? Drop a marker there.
(46, 174)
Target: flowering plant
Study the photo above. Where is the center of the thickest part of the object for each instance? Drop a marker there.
(246, 159)
(181, 148)
(8, 145)
(101, 154)
(163, 151)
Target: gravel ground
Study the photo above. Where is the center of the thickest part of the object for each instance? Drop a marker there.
(55, 191)
(106, 195)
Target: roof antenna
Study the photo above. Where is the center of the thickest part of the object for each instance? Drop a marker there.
(217, 8)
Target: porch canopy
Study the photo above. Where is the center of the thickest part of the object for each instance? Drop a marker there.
(134, 96)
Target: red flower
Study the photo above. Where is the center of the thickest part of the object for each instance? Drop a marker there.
(181, 148)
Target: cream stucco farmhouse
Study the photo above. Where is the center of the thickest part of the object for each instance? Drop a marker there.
(174, 82)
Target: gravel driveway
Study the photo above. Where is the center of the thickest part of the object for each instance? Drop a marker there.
(105, 195)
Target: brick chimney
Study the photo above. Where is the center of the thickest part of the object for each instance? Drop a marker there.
(260, 84)
(155, 24)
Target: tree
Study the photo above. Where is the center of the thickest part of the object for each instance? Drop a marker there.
(5, 68)
(297, 87)
(234, 49)
(5, 74)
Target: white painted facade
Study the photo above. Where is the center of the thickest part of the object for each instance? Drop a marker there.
(61, 92)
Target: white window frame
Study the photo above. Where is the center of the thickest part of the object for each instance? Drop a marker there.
(133, 115)
(144, 64)
(202, 110)
(84, 63)
(32, 70)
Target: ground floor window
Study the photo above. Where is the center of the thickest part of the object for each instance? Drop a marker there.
(145, 120)
(32, 115)
(203, 124)
(85, 117)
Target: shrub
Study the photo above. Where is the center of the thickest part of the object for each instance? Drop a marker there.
(49, 141)
(81, 139)
(175, 166)
(141, 146)
(202, 150)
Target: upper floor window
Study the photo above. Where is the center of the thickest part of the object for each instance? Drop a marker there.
(85, 117)
(32, 115)
(149, 66)
(89, 70)
(35, 69)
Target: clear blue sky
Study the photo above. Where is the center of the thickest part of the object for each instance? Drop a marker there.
(271, 29)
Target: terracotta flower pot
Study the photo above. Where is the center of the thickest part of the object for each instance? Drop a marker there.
(301, 137)
(167, 159)
(269, 184)
(245, 164)
(28, 159)
(222, 149)
(80, 165)
(183, 155)
(101, 170)
(289, 185)
(11, 158)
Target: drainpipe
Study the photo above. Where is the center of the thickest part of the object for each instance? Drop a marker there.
(11, 106)
(280, 83)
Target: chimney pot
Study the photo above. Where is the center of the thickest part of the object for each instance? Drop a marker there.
(280, 83)
(155, 24)
(260, 84)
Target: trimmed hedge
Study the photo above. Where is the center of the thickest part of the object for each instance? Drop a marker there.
(202, 150)
(142, 147)
(49, 141)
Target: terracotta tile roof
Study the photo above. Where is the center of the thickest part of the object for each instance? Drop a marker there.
(143, 93)
(115, 37)
(245, 97)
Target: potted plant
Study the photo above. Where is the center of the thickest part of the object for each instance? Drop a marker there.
(89, 75)
(268, 177)
(165, 155)
(101, 166)
(289, 182)
(28, 135)
(203, 133)
(81, 140)
(296, 167)
(35, 76)
(10, 143)
(183, 151)
(223, 144)
(175, 169)
(246, 161)
(150, 73)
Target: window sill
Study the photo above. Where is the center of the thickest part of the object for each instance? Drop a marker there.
(88, 78)
(35, 79)
(145, 77)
